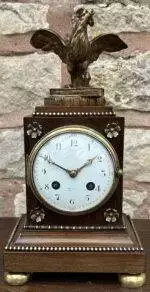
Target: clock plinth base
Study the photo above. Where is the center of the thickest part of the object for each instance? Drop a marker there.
(115, 251)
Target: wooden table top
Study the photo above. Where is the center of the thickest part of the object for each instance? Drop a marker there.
(73, 282)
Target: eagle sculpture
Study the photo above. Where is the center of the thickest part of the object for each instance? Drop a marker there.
(78, 52)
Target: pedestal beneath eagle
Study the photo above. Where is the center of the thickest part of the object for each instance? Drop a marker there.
(74, 174)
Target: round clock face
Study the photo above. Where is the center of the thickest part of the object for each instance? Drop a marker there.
(73, 169)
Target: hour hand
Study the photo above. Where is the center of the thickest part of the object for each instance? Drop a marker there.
(88, 162)
(74, 172)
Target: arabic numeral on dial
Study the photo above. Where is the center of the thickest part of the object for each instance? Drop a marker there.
(99, 158)
(72, 202)
(57, 197)
(46, 187)
(44, 171)
(58, 146)
(74, 143)
(45, 157)
(89, 147)
(103, 172)
(98, 188)
(88, 197)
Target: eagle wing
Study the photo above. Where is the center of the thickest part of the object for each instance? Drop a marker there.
(106, 42)
(47, 40)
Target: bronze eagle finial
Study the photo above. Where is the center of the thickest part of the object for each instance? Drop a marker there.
(78, 52)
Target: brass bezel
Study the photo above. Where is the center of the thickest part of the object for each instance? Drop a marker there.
(68, 129)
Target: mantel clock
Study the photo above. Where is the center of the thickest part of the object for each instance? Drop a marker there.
(74, 174)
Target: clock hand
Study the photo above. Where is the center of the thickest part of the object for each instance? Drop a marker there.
(50, 161)
(74, 172)
(88, 162)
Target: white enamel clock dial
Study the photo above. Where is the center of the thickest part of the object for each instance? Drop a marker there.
(73, 169)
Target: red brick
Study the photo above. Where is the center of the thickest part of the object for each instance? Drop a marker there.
(13, 119)
(138, 42)
(15, 44)
(135, 118)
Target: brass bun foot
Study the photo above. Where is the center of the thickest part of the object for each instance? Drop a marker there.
(132, 281)
(15, 279)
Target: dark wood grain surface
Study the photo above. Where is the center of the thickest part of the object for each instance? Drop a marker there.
(34, 200)
(73, 282)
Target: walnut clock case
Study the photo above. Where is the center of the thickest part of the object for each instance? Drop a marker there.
(74, 174)
(74, 177)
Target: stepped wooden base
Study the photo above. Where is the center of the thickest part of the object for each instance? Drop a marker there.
(113, 251)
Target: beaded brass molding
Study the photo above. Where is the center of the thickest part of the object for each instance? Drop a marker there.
(72, 113)
(81, 228)
(73, 249)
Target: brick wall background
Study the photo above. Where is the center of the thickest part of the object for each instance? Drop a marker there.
(26, 76)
